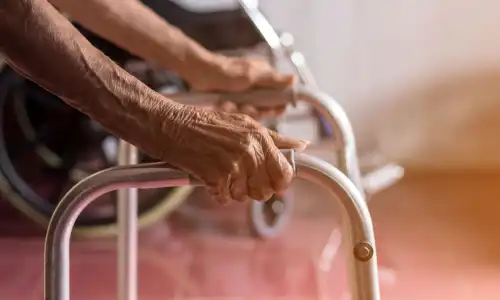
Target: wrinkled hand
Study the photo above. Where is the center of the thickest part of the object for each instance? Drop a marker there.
(228, 74)
(236, 157)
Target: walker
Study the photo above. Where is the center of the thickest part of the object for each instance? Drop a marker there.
(344, 182)
(361, 241)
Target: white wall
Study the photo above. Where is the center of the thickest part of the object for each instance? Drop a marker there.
(421, 78)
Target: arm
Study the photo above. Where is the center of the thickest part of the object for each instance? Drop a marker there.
(233, 155)
(44, 46)
(136, 28)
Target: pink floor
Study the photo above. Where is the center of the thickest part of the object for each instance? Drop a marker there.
(437, 239)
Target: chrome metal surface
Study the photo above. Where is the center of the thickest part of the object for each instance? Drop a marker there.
(363, 273)
(260, 22)
(357, 224)
(144, 176)
(280, 44)
(297, 60)
(345, 142)
(127, 229)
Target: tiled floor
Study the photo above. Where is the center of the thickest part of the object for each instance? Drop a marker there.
(437, 232)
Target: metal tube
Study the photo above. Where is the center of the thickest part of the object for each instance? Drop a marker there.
(347, 156)
(265, 28)
(362, 256)
(59, 230)
(127, 208)
(358, 226)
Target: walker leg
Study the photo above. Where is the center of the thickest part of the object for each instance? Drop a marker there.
(359, 238)
(127, 229)
(361, 242)
(347, 156)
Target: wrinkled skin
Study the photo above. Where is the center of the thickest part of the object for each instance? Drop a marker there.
(235, 156)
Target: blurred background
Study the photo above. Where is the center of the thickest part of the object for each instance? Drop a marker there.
(418, 79)
(420, 83)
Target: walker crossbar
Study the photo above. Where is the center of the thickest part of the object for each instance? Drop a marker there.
(359, 227)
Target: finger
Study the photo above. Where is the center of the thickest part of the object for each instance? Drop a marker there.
(272, 79)
(280, 194)
(266, 113)
(227, 106)
(271, 112)
(259, 184)
(249, 110)
(279, 170)
(220, 192)
(284, 142)
(260, 187)
(264, 75)
(280, 110)
(238, 187)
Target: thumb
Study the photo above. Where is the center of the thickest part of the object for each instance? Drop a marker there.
(284, 142)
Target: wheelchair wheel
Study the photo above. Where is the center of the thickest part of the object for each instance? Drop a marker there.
(268, 219)
(47, 146)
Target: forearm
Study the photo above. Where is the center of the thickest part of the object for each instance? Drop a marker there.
(44, 46)
(136, 28)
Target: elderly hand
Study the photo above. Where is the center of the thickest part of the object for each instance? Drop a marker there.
(236, 157)
(230, 74)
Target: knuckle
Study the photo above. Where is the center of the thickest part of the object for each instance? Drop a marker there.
(231, 165)
(221, 174)
(247, 120)
(238, 195)
(235, 167)
(246, 65)
(260, 135)
(243, 120)
(283, 178)
(249, 146)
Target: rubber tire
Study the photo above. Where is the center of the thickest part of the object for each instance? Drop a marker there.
(259, 224)
(166, 203)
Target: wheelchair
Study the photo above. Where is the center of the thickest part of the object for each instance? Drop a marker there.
(47, 146)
